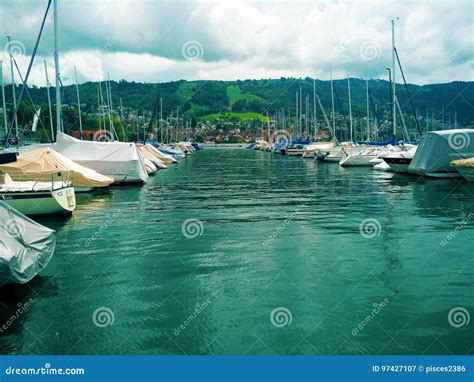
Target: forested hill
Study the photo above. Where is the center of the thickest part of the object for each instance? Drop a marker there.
(253, 99)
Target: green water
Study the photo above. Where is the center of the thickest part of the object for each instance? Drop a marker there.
(276, 232)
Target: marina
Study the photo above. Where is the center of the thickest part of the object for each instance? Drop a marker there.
(265, 241)
(325, 210)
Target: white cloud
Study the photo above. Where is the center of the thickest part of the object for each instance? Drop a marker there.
(142, 40)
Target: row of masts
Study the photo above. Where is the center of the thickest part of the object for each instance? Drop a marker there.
(305, 120)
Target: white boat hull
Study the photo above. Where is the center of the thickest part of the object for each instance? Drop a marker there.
(59, 201)
(357, 160)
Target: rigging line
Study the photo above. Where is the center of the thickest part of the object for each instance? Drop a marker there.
(153, 114)
(31, 99)
(28, 71)
(379, 123)
(342, 110)
(409, 95)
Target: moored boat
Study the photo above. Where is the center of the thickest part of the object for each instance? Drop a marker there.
(400, 161)
(26, 247)
(43, 164)
(38, 198)
(438, 149)
(465, 167)
(118, 160)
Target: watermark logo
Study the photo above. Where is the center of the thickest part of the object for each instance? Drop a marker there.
(15, 47)
(459, 141)
(192, 50)
(466, 219)
(102, 229)
(198, 309)
(280, 228)
(281, 137)
(103, 317)
(192, 228)
(281, 317)
(21, 308)
(377, 307)
(458, 317)
(370, 228)
(370, 50)
(102, 136)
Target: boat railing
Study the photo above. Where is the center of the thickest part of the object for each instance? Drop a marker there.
(58, 179)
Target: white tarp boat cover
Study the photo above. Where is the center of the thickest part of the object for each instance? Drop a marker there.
(157, 162)
(26, 247)
(42, 163)
(439, 148)
(118, 160)
(165, 158)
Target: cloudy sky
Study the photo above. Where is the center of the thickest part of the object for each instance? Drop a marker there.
(156, 41)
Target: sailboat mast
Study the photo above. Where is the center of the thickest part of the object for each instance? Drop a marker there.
(314, 109)
(5, 121)
(102, 104)
(78, 101)
(56, 67)
(49, 102)
(368, 110)
(394, 112)
(161, 120)
(332, 102)
(300, 117)
(296, 115)
(350, 106)
(13, 88)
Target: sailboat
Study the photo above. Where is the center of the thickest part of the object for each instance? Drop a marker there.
(26, 247)
(43, 164)
(38, 198)
(120, 161)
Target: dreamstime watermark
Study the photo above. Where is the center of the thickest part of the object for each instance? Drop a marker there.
(199, 308)
(16, 47)
(102, 228)
(22, 308)
(459, 49)
(44, 370)
(14, 228)
(370, 228)
(102, 136)
(103, 317)
(192, 50)
(377, 308)
(289, 218)
(281, 317)
(457, 229)
(192, 228)
(459, 141)
(370, 50)
(459, 317)
(109, 43)
(281, 137)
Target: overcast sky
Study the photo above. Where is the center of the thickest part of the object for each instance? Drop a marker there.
(155, 41)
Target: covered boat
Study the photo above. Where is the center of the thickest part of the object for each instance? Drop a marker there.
(165, 158)
(118, 160)
(38, 198)
(44, 163)
(465, 167)
(150, 156)
(438, 149)
(26, 247)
